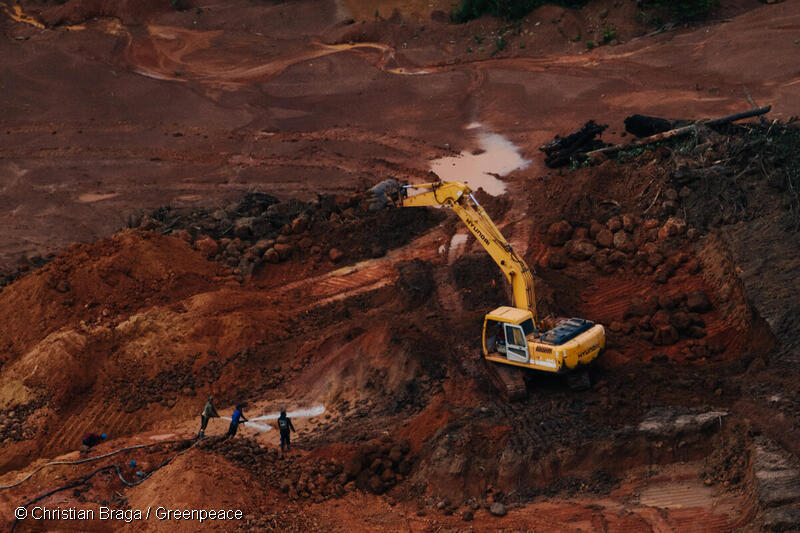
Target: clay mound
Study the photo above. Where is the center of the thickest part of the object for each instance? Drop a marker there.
(185, 484)
(113, 277)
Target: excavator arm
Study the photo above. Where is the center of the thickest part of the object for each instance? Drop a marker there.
(459, 197)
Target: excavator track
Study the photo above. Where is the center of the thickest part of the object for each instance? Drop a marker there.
(509, 381)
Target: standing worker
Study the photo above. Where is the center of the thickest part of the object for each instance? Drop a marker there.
(237, 416)
(208, 412)
(285, 425)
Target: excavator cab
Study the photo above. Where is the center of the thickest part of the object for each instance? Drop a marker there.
(510, 337)
(505, 333)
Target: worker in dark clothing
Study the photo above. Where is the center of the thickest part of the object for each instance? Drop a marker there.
(93, 439)
(285, 426)
(237, 417)
(208, 412)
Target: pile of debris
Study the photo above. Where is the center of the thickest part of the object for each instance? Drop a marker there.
(666, 318)
(260, 229)
(379, 465)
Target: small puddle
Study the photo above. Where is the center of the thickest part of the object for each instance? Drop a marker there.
(89, 198)
(495, 156)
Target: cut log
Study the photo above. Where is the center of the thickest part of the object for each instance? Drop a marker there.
(644, 126)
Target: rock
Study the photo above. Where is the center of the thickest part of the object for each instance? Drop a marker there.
(556, 260)
(696, 332)
(262, 246)
(614, 224)
(669, 207)
(353, 467)
(580, 250)
(680, 321)
(498, 509)
(623, 242)
(615, 326)
(659, 319)
(300, 224)
(580, 234)
(63, 286)
(559, 233)
(243, 228)
(698, 302)
(284, 250)
(651, 223)
(207, 246)
(673, 227)
(605, 238)
(375, 485)
(665, 335)
(148, 223)
(639, 307)
(654, 259)
(663, 273)
(669, 301)
(404, 467)
(617, 257)
(697, 320)
(182, 234)
(628, 223)
(395, 454)
(600, 259)
(272, 256)
(594, 228)
(335, 255)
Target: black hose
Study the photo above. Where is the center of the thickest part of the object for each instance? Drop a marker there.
(116, 468)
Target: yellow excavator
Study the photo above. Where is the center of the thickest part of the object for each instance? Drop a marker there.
(511, 334)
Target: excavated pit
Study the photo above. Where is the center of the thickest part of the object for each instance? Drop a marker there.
(268, 278)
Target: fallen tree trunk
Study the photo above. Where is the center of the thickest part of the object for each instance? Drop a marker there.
(680, 131)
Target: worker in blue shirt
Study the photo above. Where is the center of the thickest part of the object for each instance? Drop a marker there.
(235, 419)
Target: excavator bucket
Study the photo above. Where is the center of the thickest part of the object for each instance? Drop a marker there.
(385, 194)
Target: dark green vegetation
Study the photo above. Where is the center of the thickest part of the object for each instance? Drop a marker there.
(661, 12)
(507, 9)
(655, 12)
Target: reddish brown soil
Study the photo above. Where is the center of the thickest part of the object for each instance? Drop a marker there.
(136, 106)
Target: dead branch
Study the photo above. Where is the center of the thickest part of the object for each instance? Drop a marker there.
(681, 131)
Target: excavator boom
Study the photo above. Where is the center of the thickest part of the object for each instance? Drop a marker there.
(511, 335)
(459, 197)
